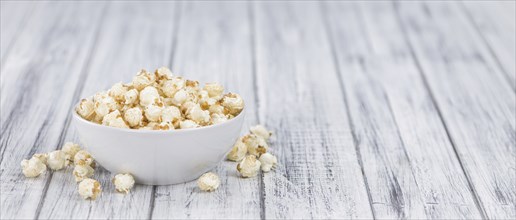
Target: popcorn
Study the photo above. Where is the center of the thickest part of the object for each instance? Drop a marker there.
(153, 113)
(123, 182)
(131, 96)
(133, 116)
(256, 145)
(208, 182)
(33, 167)
(81, 172)
(233, 103)
(143, 79)
(86, 109)
(159, 101)
(84, 158)
(70, 149)
(170, 114)
(118, 91)
(89, 189)
(217, 118)
(268, 161)
(114, 119)
(42, 157)
(214, 89)
(186, 124)
(198, 115)
(261, 131)
(57, 160)
(238, 151)
(149, 95)
(249, 166)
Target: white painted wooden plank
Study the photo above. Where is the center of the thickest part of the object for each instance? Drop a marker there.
(214, 45)
(410, 164)
(13, 17)
(134, 35)
(38, 82)
(319, 174)
(476, 102)
(496, 24)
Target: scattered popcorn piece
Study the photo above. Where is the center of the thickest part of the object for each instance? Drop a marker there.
(33, 167)
(249, 166)
(134, 116)
(42, 157)
(57, 160)
(215, 90)
(123, 182)
(81, 172)
(153, 113)
(260, 130)
(238, 151)
(70, 149)
(131, 96)
(233, 102)
(114, 119)
(118, 91)
(268, 161)
(186, 124)
(149, 95)
(208, 182)
(86, 109)
(256, 145)
(89, 189)
(84, 158)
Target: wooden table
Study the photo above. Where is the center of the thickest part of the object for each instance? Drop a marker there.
(380, 109)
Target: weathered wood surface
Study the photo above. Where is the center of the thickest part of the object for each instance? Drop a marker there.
(380, 109)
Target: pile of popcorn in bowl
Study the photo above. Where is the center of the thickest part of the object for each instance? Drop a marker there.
(158, 101)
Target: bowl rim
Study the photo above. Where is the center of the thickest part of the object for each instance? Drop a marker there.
(82, 120)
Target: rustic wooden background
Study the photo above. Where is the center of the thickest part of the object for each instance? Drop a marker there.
(381, 109)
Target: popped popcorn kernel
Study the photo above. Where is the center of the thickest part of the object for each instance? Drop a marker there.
(114, 119)
(260, 130)
(123, 182)
(233, 102)
(118, 91)
(33, 167)
(180, 97)
(256, 145)
(70, 149)
(89, 189)
(198, 115)
(217, 109)
(186, 124)
(81, 172)
(149, 95)
(170, 114)
(84, 158)
(208, 182)
(214, 90)
(218, 118)
(143, 79)
(131, 97)
(104, 104)
(249, 166)
(163, 73)
(42, 157)
(134, 116)
(57, 160)
(153, 113)
(86, 109)
(171, 86)
(238, 151)
(268, 161)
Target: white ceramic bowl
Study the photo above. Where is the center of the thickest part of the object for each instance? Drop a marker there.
(156, 157)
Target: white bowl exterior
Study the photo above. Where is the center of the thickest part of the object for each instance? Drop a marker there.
(159, 157)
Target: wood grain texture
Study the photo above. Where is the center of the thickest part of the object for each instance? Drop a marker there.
(13, 18)
(412, 167)
(318, 175)
(475, 100)
(150, 36)
(33, 105)
(496, 25)
(214, 45)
